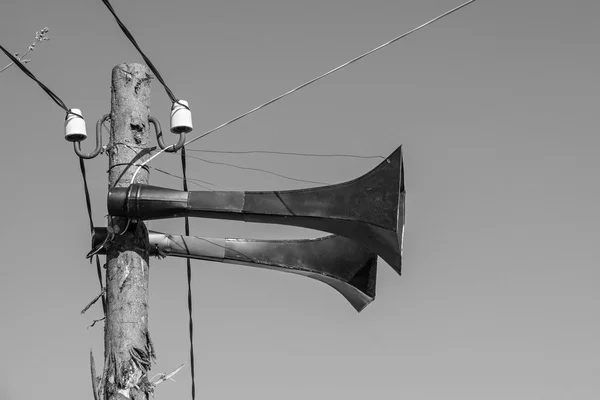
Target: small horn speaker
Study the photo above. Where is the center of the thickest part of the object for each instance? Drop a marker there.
(337, 261)
(368, 209)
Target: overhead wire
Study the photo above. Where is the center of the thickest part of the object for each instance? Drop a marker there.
(328, 72)
(257, 169)
(137, 46)
(191, 180)
(286, 153)
(355, 59)
(46, 89)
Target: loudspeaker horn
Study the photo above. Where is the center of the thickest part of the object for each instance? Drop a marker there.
(368, 209)
(335, 260)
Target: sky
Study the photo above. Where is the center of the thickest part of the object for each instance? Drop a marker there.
(495, 108)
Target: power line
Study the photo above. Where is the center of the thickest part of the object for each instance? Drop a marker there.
(310, 82)
(46, 89)
(146, 59)
(256, 169)
(192, 180)
(286, 153)
(328, 73)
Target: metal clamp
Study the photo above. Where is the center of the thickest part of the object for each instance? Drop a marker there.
(159, 137)
(98, 149)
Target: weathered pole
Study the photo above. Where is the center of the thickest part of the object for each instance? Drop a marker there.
(128, 350)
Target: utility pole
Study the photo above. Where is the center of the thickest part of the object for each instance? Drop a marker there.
(128, 350)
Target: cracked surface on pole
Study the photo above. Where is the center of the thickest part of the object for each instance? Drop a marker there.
(128, 351)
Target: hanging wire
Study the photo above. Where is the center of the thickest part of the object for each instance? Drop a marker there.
(257, 169)
(189, 281)
(88, 202)
(285, 153)
(146, 59)
(191, 180)
(99, 272)
(312, 80)
(328, 73)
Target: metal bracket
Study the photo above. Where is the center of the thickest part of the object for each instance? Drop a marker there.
(159, 137)
(98, 149)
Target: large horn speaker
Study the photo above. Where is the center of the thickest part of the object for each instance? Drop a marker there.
(337, 261)
(369, 209)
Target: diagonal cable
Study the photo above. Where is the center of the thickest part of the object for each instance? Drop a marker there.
(46, 89)
(137, 46)
(328, 73)
(311, 81)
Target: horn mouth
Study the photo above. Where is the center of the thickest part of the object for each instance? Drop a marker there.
(339, 262)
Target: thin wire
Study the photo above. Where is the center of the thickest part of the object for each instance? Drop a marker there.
(328, 73)
(146, 163)
(88, 204)
(286, 153)
(146, 59)
(257, 169)
(99, 272)
(309, 82)
(189, 281)
(86, 190)
(179, 177)
(189, 179)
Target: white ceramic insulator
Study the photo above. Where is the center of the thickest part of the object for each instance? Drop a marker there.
(75, 126)
(181, 118)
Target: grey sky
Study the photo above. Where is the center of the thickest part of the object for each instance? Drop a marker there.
(495, 106)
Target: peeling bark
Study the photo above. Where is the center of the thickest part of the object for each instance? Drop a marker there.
(128, 352)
